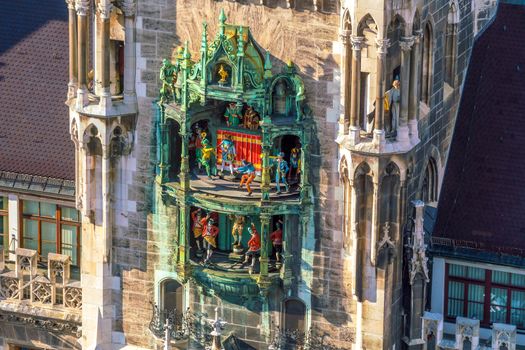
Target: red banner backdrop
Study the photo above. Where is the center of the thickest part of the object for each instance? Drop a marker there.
(248, 146)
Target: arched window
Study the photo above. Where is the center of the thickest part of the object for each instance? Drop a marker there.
(426, 65)
(294, 316)
(430, 182)
(451, 44)
(172, 296)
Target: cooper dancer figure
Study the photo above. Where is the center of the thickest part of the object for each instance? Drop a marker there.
(228, 153)
(281, 172)
(210, 233)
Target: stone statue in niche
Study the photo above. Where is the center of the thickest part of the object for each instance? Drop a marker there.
(392, 100)
(228, 153)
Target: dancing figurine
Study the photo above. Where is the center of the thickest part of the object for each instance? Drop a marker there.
(228, 153)
(254, 246)
(206, 158)
(238, 226)
(196, 217)
(247, 170)
(277, 241)
(209, 233)
(281, 172)
(295, 163)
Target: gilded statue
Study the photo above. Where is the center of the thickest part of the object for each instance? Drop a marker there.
(223, 74)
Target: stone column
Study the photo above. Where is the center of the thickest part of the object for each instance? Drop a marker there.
(106, 203)
(82, 8)
(184, 173)
(164, 152)
(357, 43)
(345, 117)
(72, 86)
(413, 91)
(103, 52)
(130, 62)
(379, 132)
(265, 245)
(402, 131)
(375, 223)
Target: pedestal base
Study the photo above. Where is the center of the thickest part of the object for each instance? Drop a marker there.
(403, 136)
(379, 140)
(82, 98)
(354, 135)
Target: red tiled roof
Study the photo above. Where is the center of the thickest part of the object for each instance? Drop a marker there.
(483, 194)
(34, 137)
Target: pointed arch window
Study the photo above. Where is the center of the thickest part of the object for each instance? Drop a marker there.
(426, 65)
(430, 182)
(451, 44)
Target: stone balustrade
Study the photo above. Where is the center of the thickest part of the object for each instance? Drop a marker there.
(466, 331)
(24, 283)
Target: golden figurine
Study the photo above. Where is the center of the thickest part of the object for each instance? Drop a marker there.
(223, 74)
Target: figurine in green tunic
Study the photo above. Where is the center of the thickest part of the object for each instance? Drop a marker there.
(232, 115)
(167, 72)
(206, 158)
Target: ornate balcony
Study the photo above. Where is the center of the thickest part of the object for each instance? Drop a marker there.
(47, 300)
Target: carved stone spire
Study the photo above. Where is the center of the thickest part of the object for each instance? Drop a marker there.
(418, 262)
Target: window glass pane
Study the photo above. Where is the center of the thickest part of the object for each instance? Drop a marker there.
(48, 239)
(517, 280)
(476, 296)
(69, 214)
(3, 203)
(517, 311)
(48, 209)
(498, 305)
(4, 236)
(30, 234)
(457, 270)
(476, 273)
(30, 208)
(69, 242)
(500, 277)
(455, 298)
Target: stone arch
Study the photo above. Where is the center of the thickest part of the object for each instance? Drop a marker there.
(427, 62)
(367, 24)
(363, 225)
(429, 187)
(172, 295)
(346, 20)
(294, 315)
(93, 140)
(432, 166)
(416, 20)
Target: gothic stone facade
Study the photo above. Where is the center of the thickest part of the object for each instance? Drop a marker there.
(130, 233)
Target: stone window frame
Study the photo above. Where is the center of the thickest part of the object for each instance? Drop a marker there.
(488, 285)
(58, 221)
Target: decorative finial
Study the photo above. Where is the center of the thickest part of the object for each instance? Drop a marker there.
(204, 39)
(290, 64)
(267, 65)
(222, 17)
(186, 54)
